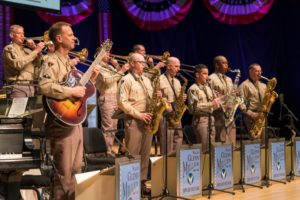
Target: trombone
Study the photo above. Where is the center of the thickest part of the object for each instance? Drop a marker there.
(162, 58)
(120, 58)
(82, 55)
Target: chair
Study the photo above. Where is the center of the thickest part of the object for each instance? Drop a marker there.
(94, 144)
(35, 182)
(189, 135)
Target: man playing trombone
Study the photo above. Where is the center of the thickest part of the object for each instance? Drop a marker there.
(21, 64)
(107, 85)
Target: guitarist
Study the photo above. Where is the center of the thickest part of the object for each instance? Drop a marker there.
(66, 142)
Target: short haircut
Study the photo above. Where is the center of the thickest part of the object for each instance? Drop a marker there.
(55, 30)
(14, 27)
(137, 47)
(199, 67)
(253, 65)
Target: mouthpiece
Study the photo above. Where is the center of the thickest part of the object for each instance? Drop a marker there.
(233, 70)
(265, 78)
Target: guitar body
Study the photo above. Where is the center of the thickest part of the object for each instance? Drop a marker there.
(70, 112)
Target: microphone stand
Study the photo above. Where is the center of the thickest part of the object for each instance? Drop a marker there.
(165, 192)
(210, 184)
(292, 119)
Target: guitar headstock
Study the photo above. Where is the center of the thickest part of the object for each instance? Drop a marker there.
(105, 46)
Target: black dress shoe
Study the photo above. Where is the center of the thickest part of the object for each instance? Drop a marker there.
(146, 192)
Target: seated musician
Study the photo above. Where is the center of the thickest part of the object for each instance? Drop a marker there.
(21, 64)
(66, 142)
(201, 104)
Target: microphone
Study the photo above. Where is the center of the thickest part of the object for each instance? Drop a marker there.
(281, 100)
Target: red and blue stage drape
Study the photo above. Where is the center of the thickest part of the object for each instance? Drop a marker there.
(5, 22)
(235, 12)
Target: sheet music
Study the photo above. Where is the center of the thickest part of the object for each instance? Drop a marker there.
(18, 106)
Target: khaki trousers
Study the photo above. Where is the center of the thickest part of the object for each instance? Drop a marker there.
(200, 127)
(107, 106)
(138, 142)
(173, 135)
(67, 152)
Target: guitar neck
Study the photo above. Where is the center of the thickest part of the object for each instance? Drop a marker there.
(87, 75)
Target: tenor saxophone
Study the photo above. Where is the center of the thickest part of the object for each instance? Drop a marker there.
(179, 105)
(265, 106)
(156, 106)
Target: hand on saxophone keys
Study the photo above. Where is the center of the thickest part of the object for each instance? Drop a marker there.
(146, 117)
(216, 102)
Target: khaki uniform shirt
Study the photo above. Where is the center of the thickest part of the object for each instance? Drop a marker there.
(252, 94)
(54, 70)
(166, 89)
(222, 84)
(132, 96)
(198, 102)
(20, 63)
(107, 80)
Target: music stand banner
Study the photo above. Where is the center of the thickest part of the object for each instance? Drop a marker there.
(251, 162)
(128, 179)
(297, 156)
(223, 165)
(189, 171)
(277, 159)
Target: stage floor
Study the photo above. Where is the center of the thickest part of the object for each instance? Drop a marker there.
(276, 191)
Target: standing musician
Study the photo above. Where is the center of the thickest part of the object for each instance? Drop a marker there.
(66, 142)
(223, 85)
(133, 96)
(252, 91)
(107, 84)
(139, 48)
(201, 104)
(170, 87)
(21, 64)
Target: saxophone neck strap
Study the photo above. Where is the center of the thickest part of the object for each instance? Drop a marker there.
(172, 86)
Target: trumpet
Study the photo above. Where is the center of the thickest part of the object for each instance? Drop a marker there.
(45, 38)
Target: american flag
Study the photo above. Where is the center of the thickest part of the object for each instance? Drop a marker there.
(104, 20)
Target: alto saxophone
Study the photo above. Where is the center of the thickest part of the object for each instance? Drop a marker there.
(231, 101)
(156, 106)
(265, 107)
(179, 106)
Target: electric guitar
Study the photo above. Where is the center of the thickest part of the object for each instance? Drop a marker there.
(73, 111)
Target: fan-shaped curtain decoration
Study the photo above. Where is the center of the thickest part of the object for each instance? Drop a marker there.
(235, 12)
(156, 14)
(72, 12)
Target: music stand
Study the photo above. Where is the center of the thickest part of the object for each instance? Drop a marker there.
(210, 183)
(165, 192)
(242, 131)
